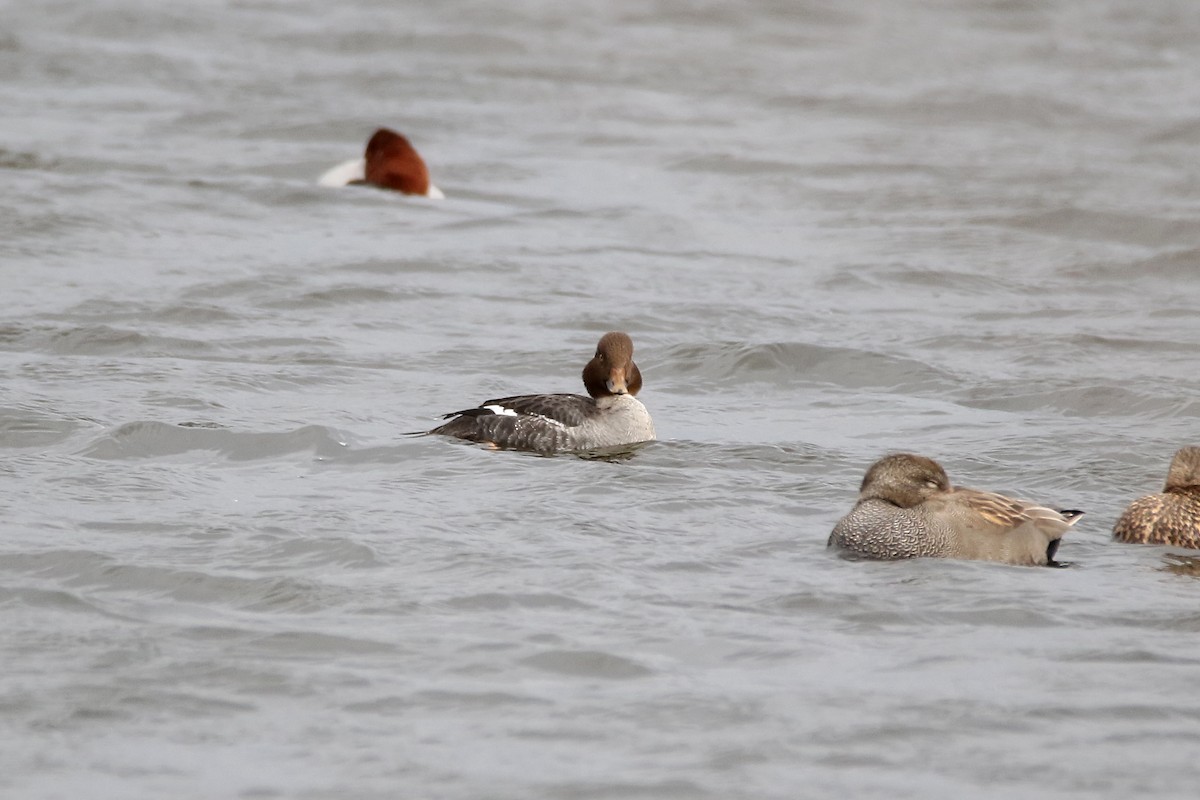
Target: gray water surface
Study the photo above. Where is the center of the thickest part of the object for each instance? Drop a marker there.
(963, 228)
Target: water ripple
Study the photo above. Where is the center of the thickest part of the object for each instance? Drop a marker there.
(135, 440)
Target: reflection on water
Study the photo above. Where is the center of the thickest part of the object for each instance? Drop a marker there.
(1180, 564)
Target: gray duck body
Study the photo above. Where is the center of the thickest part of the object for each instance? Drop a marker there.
(879, 530)
(908, 509)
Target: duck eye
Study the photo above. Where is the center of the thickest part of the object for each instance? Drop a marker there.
(931, 483)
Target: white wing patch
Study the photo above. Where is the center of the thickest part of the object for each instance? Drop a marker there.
(501, 411)
(344, 174)
(505, 411)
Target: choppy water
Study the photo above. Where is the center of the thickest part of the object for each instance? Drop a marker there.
(963, 228)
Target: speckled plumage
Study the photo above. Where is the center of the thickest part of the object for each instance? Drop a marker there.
(908, 509)
(1172, 516)
(549, 423)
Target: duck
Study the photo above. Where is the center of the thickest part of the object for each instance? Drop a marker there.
(610, 416)
(907, 509)
(1173, 515)
(390, 162)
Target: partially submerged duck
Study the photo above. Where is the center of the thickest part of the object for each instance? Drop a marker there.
(907, 509)
(390, 162)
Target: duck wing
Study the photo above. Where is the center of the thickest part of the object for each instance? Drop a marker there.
(567, 410)
(1005, 513)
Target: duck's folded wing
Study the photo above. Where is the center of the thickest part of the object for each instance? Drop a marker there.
(568, 410)
(1001, 511)
(542, 423)
(1005, 513)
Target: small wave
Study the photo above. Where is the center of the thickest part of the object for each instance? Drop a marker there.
(20, 427)
(350, 295)
(322, 552)
(399, 266)
(1177, 264)
(157, 439)
(587, 663)
(10, 159)
(730, 164)
(788, 363)
(630, 790)
(446, 700)
(497, 601)
(92, 570)
(1075, 224)
(1097, 400)
(1134, 656)
(53, 599)
(98, 340)
(304, 643)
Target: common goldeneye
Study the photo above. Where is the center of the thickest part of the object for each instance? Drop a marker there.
(390, 162)
(549, 423)
(908, 509)
(1172, 516)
